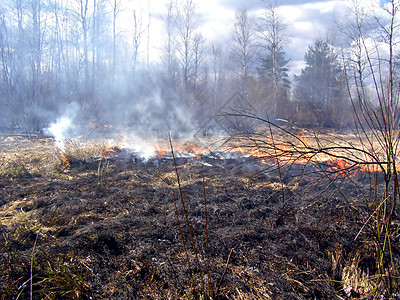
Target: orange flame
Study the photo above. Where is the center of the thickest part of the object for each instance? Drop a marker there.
(192, 148)
(161, 152)
(278, 149)
(344, 168)
(187, 147)
(340, 167)
(301, 135)
(110, 151)
(65, 164)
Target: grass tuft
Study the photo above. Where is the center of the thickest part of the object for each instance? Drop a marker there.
(12, 167)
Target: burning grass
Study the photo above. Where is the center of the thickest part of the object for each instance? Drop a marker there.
(105, 226)
(342, 152)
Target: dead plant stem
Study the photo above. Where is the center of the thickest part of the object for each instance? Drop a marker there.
(186, 214)
(184, 243)
(223, 274)
(210, 287)
(8, 266)
(31, 270)
(369, 218)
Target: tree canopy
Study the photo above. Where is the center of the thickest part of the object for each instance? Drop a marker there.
(319, 87)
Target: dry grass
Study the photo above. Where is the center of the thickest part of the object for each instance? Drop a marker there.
(21, 157)
(307, 146)
(22, 221)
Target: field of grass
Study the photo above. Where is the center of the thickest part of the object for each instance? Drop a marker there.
(85, 225)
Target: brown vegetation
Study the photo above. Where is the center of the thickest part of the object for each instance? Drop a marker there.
(106, 227)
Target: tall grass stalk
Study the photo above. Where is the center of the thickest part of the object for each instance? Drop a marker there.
(31, 270)
(210, 287)
(189, 227)
(206, 292)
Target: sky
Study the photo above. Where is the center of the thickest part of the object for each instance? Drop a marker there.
(307, 20)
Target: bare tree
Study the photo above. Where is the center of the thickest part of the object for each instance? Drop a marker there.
(354, 29)
(273, 65)
(83, 17)
(168, 55)
(244, 44)
(5, 76)
(94, 41)
(187, 24)
(116, 9)
(56, 41)
(138, 31)
(218, 61)
(148, 34)
(198, 56)
(35, 36)
(183, 49)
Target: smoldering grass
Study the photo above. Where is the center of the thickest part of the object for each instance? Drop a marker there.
(77, 151)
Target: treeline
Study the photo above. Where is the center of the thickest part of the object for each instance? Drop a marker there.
(96, 53)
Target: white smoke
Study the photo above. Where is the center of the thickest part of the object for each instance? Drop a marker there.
(63, 128)
(143, 149)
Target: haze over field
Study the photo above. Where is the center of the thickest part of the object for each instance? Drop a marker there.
(162, 66)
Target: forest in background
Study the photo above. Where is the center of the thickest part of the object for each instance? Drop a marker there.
(62, 55)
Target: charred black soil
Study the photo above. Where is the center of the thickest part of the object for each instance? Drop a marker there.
(107, 229)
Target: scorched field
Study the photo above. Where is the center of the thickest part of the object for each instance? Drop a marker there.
(101, 222)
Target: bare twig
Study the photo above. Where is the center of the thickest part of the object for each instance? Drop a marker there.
(223, 275)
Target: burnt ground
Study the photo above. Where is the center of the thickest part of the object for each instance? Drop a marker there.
(110, 231)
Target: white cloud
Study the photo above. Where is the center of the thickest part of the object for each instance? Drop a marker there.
(307, 21)
(217, 20)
